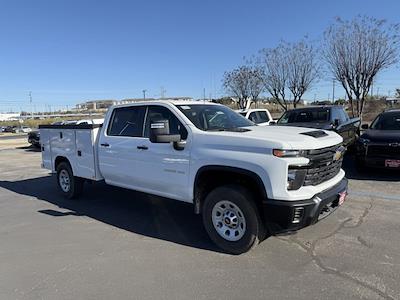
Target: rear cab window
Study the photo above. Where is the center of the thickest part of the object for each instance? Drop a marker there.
(127, 121)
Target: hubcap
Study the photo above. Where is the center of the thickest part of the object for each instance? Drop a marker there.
(63, 179)
(228, 220)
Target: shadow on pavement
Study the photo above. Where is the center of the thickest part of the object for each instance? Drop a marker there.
(136, 212)
(29, 148)
(369, 173)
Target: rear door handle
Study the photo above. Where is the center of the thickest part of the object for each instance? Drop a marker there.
(143, 147)
(105, 145)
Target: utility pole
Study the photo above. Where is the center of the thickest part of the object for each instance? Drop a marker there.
(144, 94)
(333, 90)
(204, 94)
(30, 101)
(377, 92)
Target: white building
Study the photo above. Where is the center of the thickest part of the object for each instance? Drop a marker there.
(9, 117)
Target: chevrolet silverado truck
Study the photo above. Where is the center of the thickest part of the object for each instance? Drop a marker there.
(247, 181)
(329, 117)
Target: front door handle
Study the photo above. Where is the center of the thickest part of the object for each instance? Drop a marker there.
(143, 147)
(105, 145)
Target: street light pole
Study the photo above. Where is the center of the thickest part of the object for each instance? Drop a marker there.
(144, 94)
(30, 101)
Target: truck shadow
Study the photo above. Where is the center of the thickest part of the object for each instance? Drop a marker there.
(368, 174)
(140, 213)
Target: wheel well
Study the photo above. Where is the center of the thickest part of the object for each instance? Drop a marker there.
(208, 178)
(60, 159)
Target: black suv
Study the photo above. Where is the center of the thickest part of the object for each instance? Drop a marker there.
(329, 117)
(379, 145)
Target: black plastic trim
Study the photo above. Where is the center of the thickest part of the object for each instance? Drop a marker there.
(233, 170)
(279, 213)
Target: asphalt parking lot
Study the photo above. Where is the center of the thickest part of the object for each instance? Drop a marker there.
(118, 244)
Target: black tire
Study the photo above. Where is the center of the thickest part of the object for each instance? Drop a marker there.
(254, 229)
(75, 183)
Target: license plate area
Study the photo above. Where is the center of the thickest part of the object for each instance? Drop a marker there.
(332, 206)
(392, 163)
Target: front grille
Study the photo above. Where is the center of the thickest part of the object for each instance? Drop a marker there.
(322, 166)
(385, 151)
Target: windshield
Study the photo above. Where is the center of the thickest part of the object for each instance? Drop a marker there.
(303, 116)
(390, 121)
(214, 117)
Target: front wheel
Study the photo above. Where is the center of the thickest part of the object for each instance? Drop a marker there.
(232, 220)
(70, 185)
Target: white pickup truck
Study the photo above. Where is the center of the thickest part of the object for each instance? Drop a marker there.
(247, 181)
(260, 116)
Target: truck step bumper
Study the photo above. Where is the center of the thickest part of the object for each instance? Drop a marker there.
(286, 216)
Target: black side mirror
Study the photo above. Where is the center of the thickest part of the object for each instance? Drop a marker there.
(336, 122)
(272, 123)
(159, 133)
(364, 126)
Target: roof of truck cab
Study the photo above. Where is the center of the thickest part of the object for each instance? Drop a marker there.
(173, 102)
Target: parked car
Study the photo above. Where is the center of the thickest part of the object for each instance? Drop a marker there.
(330, 117)
(24, 129)
(379, 145)
(34, 138)
(9, 129)
(244, 179)
(261, 117)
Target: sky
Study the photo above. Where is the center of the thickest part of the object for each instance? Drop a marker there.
(69, 51)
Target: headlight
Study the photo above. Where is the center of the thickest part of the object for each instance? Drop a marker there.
(295, 178)
(288, 153)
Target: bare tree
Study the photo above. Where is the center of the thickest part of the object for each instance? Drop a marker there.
(274, 63)
(303, 68)
(356, 51)
(245, 83)
(256, 83)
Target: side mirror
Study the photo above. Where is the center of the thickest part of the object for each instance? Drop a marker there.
(336, 122)
(159, 133)
(272, 122)
(364, 126)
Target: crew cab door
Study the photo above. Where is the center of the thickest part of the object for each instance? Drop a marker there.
(119, 146)
(164, 168)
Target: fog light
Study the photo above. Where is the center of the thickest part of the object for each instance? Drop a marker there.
(298, 215)
(295, 178)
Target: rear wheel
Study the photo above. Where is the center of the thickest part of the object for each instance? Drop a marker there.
(70, 185)
(232, 220)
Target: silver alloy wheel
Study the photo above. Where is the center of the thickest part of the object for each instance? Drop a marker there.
(64, 180)
(228, 220)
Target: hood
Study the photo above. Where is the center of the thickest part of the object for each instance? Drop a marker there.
(325, 125)
(384, 136)
(276, 137)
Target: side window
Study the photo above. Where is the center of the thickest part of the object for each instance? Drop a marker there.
(253, 117)
(344, 115)
(262, 117)
(127, 121)
(336, 115)
(156, 113)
